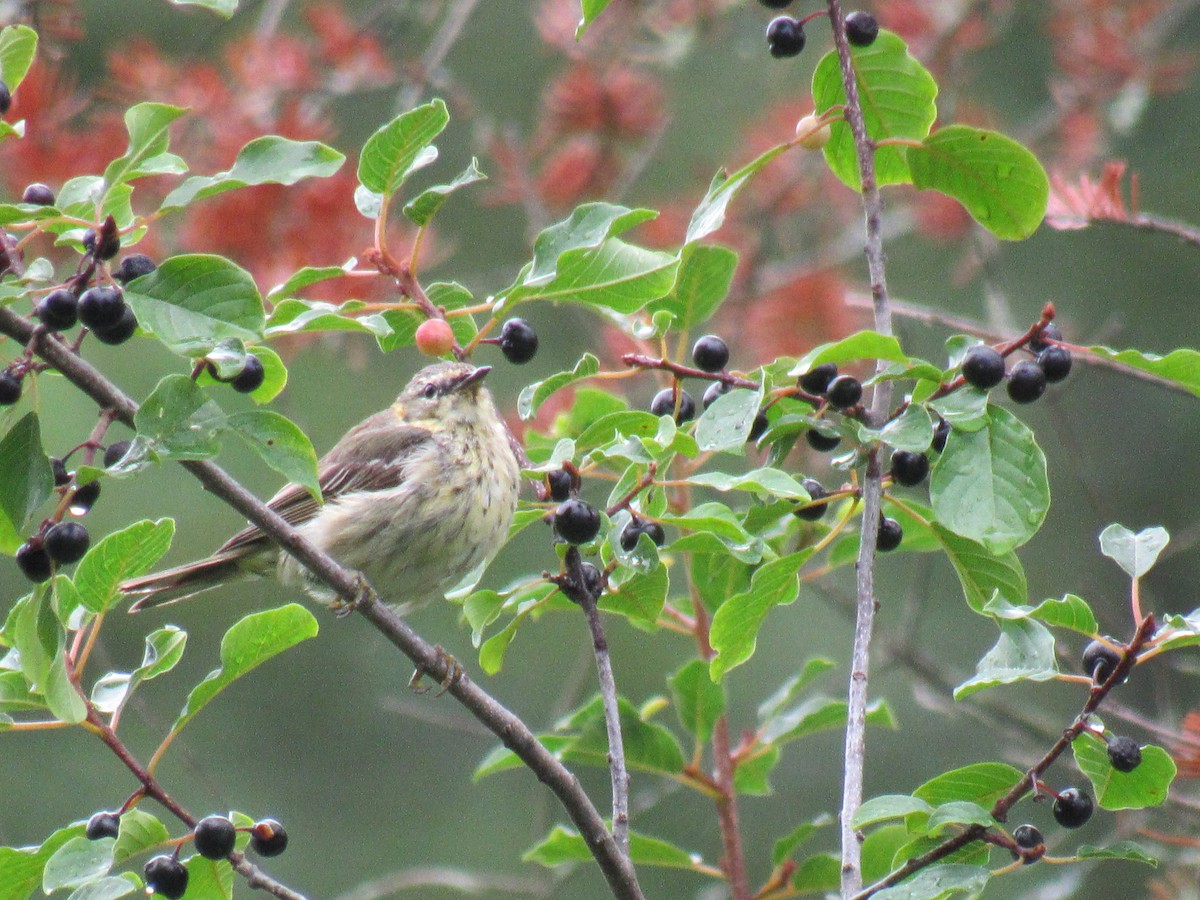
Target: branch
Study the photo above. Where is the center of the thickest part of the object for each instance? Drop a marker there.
(513, 733)
(881, 398)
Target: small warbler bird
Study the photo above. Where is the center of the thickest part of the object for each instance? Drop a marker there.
(416, 497)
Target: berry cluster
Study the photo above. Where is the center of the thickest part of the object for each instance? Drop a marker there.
(786, 36)
(710, 355)
(983, 366)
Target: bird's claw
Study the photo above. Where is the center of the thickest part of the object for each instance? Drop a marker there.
(363, 592)
(454, 674)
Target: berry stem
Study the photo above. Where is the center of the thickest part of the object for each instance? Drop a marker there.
(641, 361)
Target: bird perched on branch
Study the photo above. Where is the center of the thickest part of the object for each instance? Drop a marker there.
(415, 497)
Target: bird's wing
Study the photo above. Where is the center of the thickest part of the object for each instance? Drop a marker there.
(370, 457)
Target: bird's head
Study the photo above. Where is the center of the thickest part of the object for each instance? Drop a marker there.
(444, 392)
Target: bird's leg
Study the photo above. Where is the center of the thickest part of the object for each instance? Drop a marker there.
(454, 674)
(363, 593)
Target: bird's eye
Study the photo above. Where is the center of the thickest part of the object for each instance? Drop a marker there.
(429, 391)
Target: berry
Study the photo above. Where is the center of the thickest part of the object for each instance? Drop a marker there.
(983, 367)
(268, 838)
(119, 333)
(576, 521)
(102, 825)
(861, 29)
(66, 542)
(1055, 363)
(1027, 837)
(775, 4)
(1099, 660)
(114, 451)
(214, 837)
(38, 194)
(1040, 342)
(101, 307)
(1072, 808)
(58, 310)
(593, 581)
(710, 353)
(251, 378)
(816, 381)
(822, 443)
(134, 266)
(166, 875)
(1026, 382)
(908, 468)
(34, 562)
(812, 133)
(435, 337)
(785, 37)
(758, 427)
(636, 528)
(713, 391)
(518, 341)
(61, 475)
(663, 404)
(5, 98)
(84, 498)
(844, 391)
(1124, 754)
(889, 536)
(940, 435)
(10, 388)
(560, 485)
(816, 491)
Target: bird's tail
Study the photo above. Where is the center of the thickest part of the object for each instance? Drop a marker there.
(182, 582)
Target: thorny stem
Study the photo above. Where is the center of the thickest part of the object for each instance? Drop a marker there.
(856, 718)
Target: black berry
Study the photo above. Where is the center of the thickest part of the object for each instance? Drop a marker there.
(518, 341)
(1027, 837)
(61, 475)
(940, 435)
(710, 353)
(134, 266)
(102, 825)
(844, 391)
(663, 404)
(58, 310)
(66, 542)
(889, 536)
(38, 194)
(268, 838)
(34, 562)
(84, 498)
(822, 443)
(5, 98)
(214, 837)
(1072, 808)
(101, 307)
(775, 4)
(120, 332)
(785, 37)
(576, 521)
(816, 491)
(560, 485)
(758, 427)
(1099, 660)
(593, 581)
(636, 528)
(713, 391)
(251, 377)
(983, 367)
(166, 875)
(1055, 363)
(861, 29)
(1026, 382)
(1040, 342)
(114, 451)
(1124, 754)
(816, 381)
(908, 468)
(10, 388)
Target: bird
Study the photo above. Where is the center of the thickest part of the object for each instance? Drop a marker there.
(415, 498)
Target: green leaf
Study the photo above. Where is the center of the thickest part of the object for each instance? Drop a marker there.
(797, 837)
(820, 873)
(614, 275)
(982, 783)
(1070, 612)
(735, 625)
(1024, 652)
(245, 646)
(211, 879)
(127, 553)
(752, 773)
(193, 302)
(303, 277)
(938, 882)
(148, 125)
(912, 430)
(819, 713)
(649, 747)
(139, 830)
(1127, 850)
(591, 9)
(224, 8)
(265, 160)
(766, 480)
(862, 345)
(726, 424)
(37, 636)
(491, 654)
(108, 888)
(710, 214)
(1147, 785)
(501, 759)
(21, 868)
(897, 95)
(422, 210)
(982, 573)
(280, 443)
(990, 485)
(294, 316)
(702, 282)
(534, 395)
(588, 227)
(958, 812)
(886, 807)
(26, 480)
(179, 421)
(1181, 367)
(639, 595)
(401, 147)
(966, 409)
(563, 845)
(698, 702)
(62, 698)
(999, 182)
(164, 648)
(782, 698)
(77, 862)
(1135, 553)
(18, 44)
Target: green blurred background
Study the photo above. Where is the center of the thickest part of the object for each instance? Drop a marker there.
(371, 780)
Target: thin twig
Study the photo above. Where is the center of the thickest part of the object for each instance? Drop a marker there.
(513, 733)
(734, 858)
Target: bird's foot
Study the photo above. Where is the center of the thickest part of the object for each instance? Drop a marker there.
(453, 674)
(363, 592)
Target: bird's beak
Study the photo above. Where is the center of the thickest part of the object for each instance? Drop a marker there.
(473, 378)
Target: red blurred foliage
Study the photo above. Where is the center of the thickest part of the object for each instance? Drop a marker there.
(1075, 204)
(806, 310)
